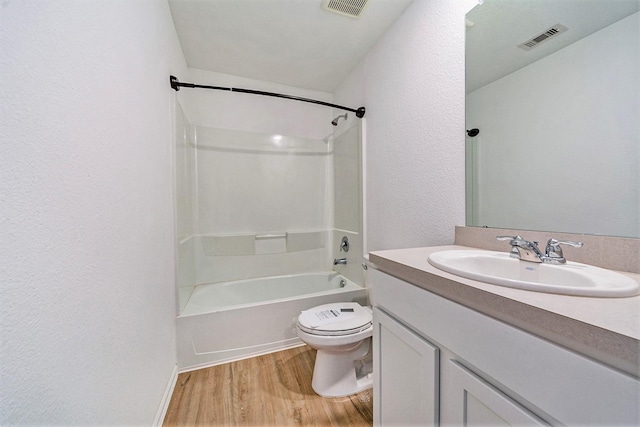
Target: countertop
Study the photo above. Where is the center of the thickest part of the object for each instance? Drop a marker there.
(605, 329)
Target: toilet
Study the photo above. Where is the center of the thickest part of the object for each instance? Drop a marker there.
(341, 334)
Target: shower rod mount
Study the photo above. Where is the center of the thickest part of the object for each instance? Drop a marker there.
(177, 84)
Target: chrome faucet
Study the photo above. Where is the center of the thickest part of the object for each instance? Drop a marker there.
(342, 261)
(528, 251)
(523, 249)
(344, 244)
(553, 252)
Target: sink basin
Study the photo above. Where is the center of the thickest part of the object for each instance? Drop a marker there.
(498, 268)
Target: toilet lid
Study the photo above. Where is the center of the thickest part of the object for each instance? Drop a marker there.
(343, 318)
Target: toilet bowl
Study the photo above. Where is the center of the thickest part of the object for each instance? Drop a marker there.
(341, 334)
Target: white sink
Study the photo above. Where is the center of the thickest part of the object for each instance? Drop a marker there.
(571, 278)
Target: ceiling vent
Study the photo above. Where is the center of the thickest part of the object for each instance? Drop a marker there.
(541, 38)
(350, 8)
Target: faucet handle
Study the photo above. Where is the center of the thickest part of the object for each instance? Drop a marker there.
(553, 251)
(344, 244)
(512, 241)
(508, 238)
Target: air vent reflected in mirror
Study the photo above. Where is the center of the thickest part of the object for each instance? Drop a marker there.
(540, 38)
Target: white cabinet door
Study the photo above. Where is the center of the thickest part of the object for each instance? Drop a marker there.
(406, 371)
(468, 400)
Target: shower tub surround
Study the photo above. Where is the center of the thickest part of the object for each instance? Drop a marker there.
(227, 321)
(250, 205)
(259, 213)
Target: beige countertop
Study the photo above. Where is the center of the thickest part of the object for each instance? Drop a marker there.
(605, 329)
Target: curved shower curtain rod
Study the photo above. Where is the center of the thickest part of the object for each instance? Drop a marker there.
(177, 84)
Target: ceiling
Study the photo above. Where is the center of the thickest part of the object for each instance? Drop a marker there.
(292, 42)
(499, 26)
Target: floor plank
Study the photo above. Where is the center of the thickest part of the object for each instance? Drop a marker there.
(270, 390)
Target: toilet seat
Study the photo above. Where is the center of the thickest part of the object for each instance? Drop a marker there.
(357, 319)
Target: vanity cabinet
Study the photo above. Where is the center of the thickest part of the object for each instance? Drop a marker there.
(405, 362)
(437, 362)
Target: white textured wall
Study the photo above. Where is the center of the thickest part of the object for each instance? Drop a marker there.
(412, 84)
(87, 261)
(558, 146)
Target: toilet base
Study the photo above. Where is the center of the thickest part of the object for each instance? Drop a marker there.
(338, 374)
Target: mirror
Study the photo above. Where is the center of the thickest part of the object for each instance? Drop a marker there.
(558, 140)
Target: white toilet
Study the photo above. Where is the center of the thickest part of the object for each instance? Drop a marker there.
(341, 332)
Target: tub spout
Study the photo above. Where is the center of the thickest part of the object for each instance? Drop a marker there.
(342, 261)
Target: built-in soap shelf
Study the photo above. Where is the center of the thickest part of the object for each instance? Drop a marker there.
(262, 243)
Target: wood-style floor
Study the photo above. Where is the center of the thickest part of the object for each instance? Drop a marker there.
(270, 390)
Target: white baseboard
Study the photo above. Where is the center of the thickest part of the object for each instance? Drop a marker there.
(297, 343)
(166, 398)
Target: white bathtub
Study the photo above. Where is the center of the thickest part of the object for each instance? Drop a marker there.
(228, 321)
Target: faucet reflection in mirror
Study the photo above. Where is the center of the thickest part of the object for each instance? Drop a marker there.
(560, 143)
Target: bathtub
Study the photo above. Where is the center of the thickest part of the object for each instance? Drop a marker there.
(222, 322)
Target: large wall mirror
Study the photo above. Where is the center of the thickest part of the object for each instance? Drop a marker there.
(553, 89)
